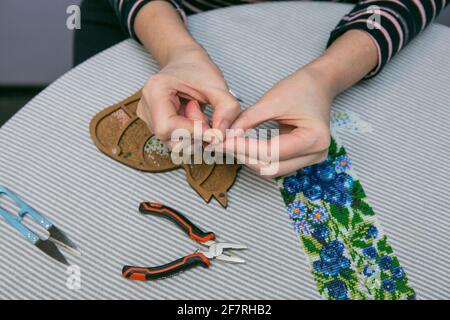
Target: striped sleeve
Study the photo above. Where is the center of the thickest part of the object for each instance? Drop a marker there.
(391, 24)
(126, 11)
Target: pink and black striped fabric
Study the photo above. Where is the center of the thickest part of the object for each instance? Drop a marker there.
(391, 23)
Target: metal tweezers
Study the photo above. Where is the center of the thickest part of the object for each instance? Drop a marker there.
(56, 236)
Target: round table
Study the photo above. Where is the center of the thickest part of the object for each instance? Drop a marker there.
(49, 159)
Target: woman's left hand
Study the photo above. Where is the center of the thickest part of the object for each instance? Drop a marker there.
(301, 105)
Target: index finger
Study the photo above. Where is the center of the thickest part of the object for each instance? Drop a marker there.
(282, 147)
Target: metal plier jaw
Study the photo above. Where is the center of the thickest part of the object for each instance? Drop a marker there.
(215, 250)
(56, 236)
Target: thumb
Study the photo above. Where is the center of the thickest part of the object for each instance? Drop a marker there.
(226, 109)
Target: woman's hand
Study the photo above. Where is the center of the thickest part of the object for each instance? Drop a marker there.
(301, 105)
(187, 72)
(190, 75)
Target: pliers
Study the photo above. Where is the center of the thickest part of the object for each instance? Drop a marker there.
(216, 250)
(56, 236)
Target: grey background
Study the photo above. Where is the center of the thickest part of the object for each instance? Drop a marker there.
(35, 45)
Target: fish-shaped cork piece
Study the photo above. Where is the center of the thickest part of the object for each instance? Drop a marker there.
(120, 134)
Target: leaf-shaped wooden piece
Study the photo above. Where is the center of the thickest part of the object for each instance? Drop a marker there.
(121, 135)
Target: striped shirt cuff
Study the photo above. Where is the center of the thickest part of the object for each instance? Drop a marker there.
(391, 24)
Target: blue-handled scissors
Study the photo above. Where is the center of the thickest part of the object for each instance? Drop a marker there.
(56, 236)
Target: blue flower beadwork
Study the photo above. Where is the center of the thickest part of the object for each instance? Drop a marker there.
(349, 254)
(343, 164)
(331, 261)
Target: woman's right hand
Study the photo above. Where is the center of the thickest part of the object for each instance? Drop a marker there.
(191, 75)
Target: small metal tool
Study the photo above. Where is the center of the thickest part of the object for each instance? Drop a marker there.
(56, 236)
(234, 95)
(215, 250)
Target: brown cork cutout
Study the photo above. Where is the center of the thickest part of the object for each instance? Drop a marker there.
(121, 135)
